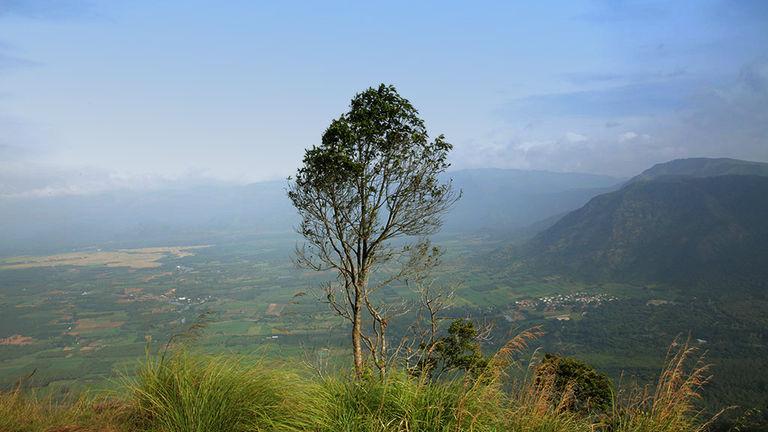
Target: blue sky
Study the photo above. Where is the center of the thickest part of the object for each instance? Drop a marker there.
(106, 94)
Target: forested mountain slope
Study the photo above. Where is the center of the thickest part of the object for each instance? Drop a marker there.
(668, 229)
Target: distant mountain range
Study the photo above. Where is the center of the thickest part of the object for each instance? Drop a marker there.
(703, 167)
(505, 200)
(685, 221)
(497, 200)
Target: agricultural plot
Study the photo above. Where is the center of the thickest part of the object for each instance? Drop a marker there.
(132, 258)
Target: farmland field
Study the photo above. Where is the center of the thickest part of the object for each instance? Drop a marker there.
(84, 322)
(132, 258)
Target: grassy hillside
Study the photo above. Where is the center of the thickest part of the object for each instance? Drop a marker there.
(184, 392)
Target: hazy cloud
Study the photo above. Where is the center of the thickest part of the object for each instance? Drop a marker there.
(574, 137)
(35, 9)
(10, 60)
(45, 9)
(592, 77)
(625, 129)
(588, 78)
(731, 117)
(27, 179)
(626, 10)
(632, 136)
(753, 10)
(626, 100)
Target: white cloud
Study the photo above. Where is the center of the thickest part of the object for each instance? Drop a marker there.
(574, 137)
(628, 136)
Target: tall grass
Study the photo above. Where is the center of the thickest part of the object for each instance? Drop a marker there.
(186, 392)
(403, 403)
(27, 412)
(669, 406)
(195, 393)
(536, 405)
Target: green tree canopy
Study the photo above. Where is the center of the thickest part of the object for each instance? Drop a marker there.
(578, 384)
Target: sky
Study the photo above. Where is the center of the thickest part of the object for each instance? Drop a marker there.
(98, 95)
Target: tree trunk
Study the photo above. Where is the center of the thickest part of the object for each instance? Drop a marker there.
(357, 342)
(383, 357)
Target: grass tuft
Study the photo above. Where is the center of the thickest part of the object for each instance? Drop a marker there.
(194, 393)
(26, 412)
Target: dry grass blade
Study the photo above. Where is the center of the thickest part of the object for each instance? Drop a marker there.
(671, 405)
(504, 357)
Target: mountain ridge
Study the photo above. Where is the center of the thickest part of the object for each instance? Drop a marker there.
(672, 228)
(702, 167)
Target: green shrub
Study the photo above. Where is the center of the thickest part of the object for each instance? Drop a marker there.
(577, 385)
(459, 350)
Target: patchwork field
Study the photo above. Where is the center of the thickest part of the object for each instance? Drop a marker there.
(84, 318)
(132, 258)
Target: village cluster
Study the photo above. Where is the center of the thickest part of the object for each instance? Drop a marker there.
(559, 301)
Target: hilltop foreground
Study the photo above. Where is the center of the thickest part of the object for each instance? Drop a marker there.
(185, 392)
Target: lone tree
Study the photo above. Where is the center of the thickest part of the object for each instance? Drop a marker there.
(373, 179)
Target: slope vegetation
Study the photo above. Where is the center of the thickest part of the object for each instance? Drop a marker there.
(671, 228)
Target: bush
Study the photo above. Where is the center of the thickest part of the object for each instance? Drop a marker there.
(459, 350)
(577, 386)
